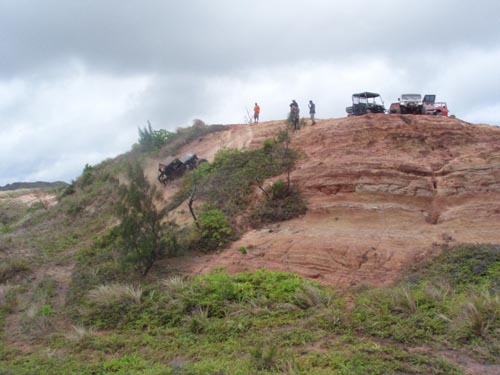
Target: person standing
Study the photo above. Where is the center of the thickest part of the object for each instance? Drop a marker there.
(294, 114)
(312, 111)
(256, 113)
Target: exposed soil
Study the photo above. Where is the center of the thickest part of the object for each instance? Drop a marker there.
(30, 196)
(383, 191)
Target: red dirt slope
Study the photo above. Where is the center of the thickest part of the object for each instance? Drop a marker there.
(382, 192)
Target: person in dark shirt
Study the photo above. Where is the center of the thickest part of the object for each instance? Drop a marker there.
(312, 111)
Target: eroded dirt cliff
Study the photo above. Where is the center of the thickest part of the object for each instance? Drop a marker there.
(383, 191)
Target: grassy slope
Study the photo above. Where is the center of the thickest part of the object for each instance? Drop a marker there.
(260, 323)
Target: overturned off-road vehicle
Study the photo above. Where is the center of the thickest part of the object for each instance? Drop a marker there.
(172, 167)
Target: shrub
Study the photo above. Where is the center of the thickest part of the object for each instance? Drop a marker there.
(151, 140)
(282, 204)
(215, 229)
(87, 176)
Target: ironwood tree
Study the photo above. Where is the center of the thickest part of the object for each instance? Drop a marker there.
(141, 232)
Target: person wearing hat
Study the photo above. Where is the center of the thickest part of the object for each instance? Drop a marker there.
(312, 111)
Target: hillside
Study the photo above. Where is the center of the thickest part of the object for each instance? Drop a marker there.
(394, 268)
(33, 185)
(382, 192)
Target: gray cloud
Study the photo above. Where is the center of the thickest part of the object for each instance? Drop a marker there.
(213, 36)
(78, 78)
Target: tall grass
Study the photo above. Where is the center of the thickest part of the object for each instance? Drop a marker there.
(108, 295)
(80, 333)
(477, 316)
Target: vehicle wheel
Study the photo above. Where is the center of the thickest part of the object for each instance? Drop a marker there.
(439, 113)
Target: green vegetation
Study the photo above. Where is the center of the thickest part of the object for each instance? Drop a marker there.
(452, 299)
(152, 140)
(266, 322)
(108, 320)
(230, 183)
(11, 212)
(140, 229)
(214, 226)
(261, 323)
(281, 204)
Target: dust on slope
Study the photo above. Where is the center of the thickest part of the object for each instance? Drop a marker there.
(383, 191)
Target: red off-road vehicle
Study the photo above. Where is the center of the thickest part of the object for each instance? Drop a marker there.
(434, 108)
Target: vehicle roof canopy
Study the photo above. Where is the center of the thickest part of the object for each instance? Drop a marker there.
(366, 95)
(187, 157)
(167, 161)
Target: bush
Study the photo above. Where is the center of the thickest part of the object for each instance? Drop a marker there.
(215, 229)
(152, 140)
(87, 176)
(281, 204)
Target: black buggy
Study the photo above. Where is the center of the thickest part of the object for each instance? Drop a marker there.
(365, 102)
(172, 167)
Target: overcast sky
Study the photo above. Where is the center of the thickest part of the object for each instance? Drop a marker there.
(78, 77)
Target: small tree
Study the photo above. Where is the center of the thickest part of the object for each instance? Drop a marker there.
(140, 230)
(150, 139)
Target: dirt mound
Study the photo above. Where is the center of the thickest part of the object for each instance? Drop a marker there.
(382, 192)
